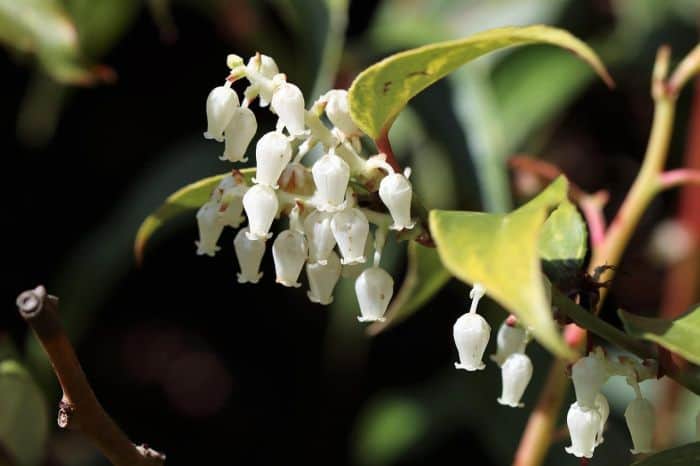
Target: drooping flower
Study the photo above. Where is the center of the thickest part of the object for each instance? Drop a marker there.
(396, 192)
(603, 408)
(289, 252)
(510, 339)
(267, 67)
(516, 373)
(317, 228)
(323, 278)
(374, 289)
(350, 228)
(210, 228)
(640, 422)
(260, 204)
(222, 102)
(588, 375)
(583, 424)
(471, 334)
(288, 104)
(249, 253)
(238, 134)
(331, 175)
(338, 112)
(272, 153)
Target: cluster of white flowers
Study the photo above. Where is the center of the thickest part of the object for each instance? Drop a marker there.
(320, 203)
(588, 414)
(471, 334)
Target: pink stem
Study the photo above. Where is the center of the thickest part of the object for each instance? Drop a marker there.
(678, 177)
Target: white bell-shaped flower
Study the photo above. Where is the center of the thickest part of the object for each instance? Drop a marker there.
(323, 278)
(231, 209)
(603, 408)
(266, 66)
(331, 175)
(288, 104)
(516, 373)
(588, 375)
(260, 204)
(396, 191)
(249, 253)
(222, 102)
(350, 228)
(583, 424)
(338, 112)
(317, 228)
(510, 339)
(640, 422)
(289, 252)
(210, 228)
(374, 289)
(238, 134)
(272, 153)
(471, 333)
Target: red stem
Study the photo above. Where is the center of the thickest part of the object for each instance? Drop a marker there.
(384, 147)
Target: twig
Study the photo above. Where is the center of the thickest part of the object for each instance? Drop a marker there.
(79, 408)
(678, 177)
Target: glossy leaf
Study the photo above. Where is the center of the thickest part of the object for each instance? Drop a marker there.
(24, 421)
(186, 199)
(425, 276)
(681, 335)
(381, 91)
(563, 242)
(500, 251)
(685, 455)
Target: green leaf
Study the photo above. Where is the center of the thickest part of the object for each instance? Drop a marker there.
(186, 199)
(43, 28)
(500, 251)
(686, 455)
(681, 335)
(563, 243)
(381, 91)
(425, 276)
(24, 421)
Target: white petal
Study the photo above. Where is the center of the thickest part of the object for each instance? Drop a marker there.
(509, 340)
(396, 192)
(338, 111)
(471, 334)
(317, 228)
(640, 422)
(289, 252)
(238, 134)
(588, 375)
(331, 176)
(272, 153)
(374, 289)
(221, 104)
(323, 278)
(210, 228)
(583, 426)
(516, 373)
(603, 408)
(350, 228)
(288, 104)
(249, 253)
(260, 204)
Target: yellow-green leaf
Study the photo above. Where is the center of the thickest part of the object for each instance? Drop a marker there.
(186, 199)
(381, 91)
(500, 251)
(681, 335)
(563, 243)
(425, 276)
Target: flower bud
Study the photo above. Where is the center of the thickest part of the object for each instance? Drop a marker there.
(272, 153)
(338, 112)
(317, 227)
(583, 424)
(210, 228)
(288, 104)
(289, 252)
(249, 253)
(374, 289)
(640, 422)
(516, 373)
(266, 66)
(331, 175)
(323, 278)
(603, 408)
(510, 339)
(238, 134)
(350, 228)
(471, 334)
(221, 104)
(588, 375)
(395, 191)
(260, 204)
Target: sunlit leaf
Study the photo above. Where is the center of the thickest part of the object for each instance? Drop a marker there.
(681, 335)
(381, 91)
(563, 242)
(500, 251)
(24, 423)
(186, 199)
(425, 276)
(686, 455)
